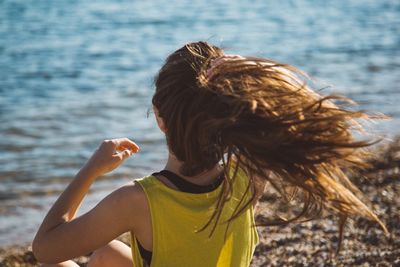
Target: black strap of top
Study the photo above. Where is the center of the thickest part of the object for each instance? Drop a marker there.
(186, 186)
(146, 254)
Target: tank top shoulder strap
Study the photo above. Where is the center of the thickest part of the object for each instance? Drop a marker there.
(188, 187)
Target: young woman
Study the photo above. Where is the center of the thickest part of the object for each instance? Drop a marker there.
(233, 124)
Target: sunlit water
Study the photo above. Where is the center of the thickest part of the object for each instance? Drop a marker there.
(73, 73)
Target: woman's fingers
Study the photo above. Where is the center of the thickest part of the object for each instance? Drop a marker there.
(120, 144)
(124, 148)
(121, 156)
(124, 144)
(126, 154)
(110, 155)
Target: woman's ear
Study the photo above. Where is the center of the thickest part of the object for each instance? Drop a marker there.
(160, 121)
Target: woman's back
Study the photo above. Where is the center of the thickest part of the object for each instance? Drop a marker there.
(177, 218)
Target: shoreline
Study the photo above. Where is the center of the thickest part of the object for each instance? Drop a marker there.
(313, 243)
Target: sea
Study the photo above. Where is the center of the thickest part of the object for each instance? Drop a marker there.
(76, 72)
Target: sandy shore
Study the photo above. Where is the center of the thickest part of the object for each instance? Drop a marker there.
(312, 243)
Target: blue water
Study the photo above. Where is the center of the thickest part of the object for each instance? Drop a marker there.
(73, 73)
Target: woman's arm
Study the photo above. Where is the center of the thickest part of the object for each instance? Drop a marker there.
(62, 236)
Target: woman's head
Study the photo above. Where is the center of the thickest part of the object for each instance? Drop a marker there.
(203, 97)
(182, 105)
(264, 116)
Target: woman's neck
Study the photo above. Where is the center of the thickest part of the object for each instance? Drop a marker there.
(204, 178)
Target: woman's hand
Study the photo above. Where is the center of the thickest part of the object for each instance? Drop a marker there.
(110, 154)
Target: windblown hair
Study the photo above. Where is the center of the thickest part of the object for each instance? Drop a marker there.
(263, 117)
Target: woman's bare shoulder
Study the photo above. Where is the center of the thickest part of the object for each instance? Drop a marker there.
(133, 201)
(131, 190)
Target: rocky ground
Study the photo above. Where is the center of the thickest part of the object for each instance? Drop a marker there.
(313, 243)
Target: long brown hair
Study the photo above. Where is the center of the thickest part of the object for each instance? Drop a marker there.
(262, 116)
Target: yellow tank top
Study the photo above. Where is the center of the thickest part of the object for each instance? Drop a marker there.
(176, 216)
